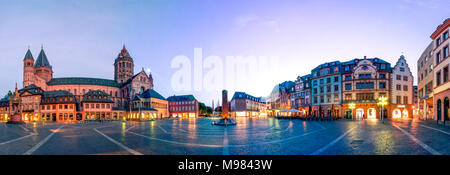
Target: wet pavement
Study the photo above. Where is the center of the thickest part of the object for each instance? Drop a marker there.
(266, 136)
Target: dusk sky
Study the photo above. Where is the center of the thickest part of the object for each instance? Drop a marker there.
(82, 38)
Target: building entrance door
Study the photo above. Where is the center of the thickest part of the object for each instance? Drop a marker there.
(348, 114)
(359, 113)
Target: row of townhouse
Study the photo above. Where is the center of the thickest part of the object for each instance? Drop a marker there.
(350, 89)
(433, 76)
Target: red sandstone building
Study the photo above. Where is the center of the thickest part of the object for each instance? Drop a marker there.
(45, 98)
(184, 106)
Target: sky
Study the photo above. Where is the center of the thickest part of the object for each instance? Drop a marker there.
(82, 38)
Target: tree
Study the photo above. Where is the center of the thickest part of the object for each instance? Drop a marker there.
(203, 109)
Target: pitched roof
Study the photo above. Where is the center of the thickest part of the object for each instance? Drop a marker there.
(49, 97)
(42, 60)
(28, 55)
(32, 88)
(243, 95)
(97, 96)
(123, 55)
(181, 98)
(83, 81)
(150, 93)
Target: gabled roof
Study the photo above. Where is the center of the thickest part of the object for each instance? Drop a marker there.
(28, 55)
(83, 81)
(42, 60)
(181, 98)
(134, 76)
(32, 88)
(150, 93)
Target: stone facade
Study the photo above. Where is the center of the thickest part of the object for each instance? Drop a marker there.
(363, 82)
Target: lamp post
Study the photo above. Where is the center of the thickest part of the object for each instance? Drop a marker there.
(352, 106)
(382, 101)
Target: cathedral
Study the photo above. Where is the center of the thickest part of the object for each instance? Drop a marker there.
(46, 98)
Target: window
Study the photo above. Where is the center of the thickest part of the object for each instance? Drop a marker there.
(328, 80)
(321, 81)
(445, 35)
(382, 85)
(328, 98)
(321, 90)
(405, 100)
(438, 58)
(321, 99)
(402, 69)
(438, 78)
(87, 106)
(445, 52)
(405, 87)
(438, 42)
(365, 76)
(336, 88)
(405, 78)
(383, 66)
(382, 76)
(348, 77)
(328, 88)
(399, 87)
(445, 79)
(399, 100)
(398, 77)
(348, 97)
(336, 98)
(347, 68)
(348, 86)
(336, 79)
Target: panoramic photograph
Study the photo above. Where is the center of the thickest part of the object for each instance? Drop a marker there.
(224, 78)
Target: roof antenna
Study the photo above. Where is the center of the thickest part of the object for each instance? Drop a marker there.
(42, 46)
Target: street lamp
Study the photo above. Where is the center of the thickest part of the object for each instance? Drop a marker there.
(352, 106)
(382, 101)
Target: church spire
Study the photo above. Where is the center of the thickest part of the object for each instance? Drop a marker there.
(28, 55)
(42, 60)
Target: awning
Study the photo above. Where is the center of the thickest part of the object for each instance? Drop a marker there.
(293, 110)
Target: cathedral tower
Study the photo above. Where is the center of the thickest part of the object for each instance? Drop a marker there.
(28, 69)
(123, 66)
(42, 67)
